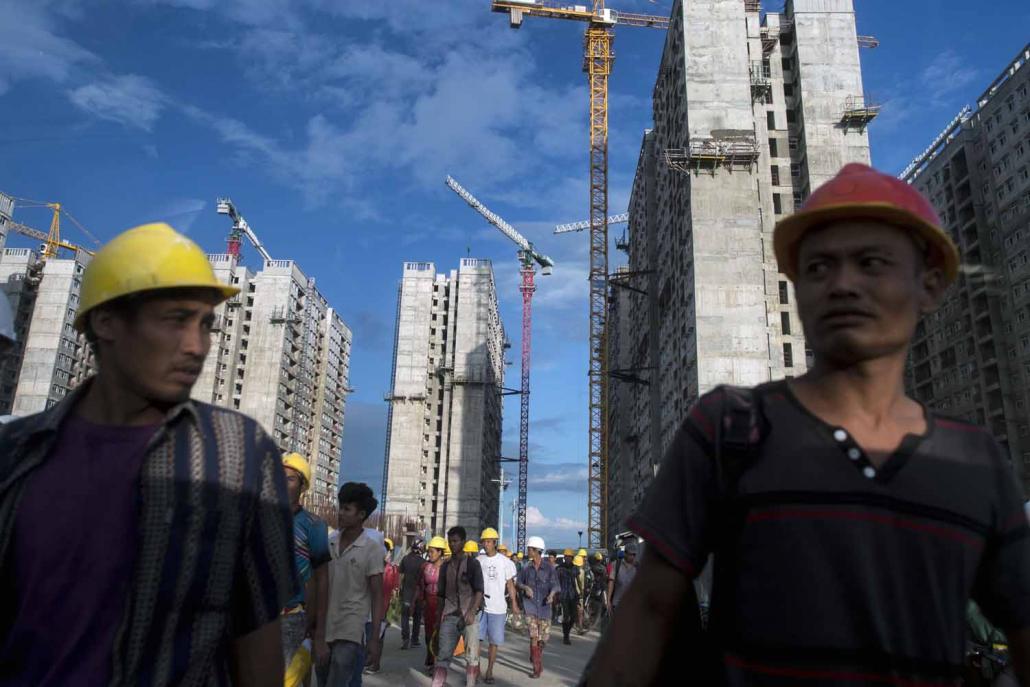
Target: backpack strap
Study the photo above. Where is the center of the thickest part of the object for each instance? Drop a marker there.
(740, 434)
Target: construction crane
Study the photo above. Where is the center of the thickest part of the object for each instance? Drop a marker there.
(51, 241)
(528, 259)
(597, 63)
(621, 218)
(240, 228)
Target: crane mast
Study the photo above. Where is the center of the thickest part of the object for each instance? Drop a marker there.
(528, 259)
(597, 63)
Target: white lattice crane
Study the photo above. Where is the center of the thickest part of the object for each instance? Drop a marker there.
(240, 228)
(528, 259)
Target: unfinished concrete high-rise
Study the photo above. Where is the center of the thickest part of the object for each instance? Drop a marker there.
(444, 429)
(50, 358)
(752, 111)
(281, 354)
(971, 358)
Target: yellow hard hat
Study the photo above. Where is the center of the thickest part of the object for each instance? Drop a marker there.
(447, 548)
(502, 548)
(598, 556)
(520, 556)
(388, 543)
(489, 533)
(582, 552)
(578, 561)
(439, 542)
(297, 462)
(146, 258)
(471, 547)
(567, 552)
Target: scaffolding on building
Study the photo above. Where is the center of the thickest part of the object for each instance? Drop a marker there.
(858, 112)
(868, 41)
(752, 5)
(769, 39)
(281, 314)
(761, 80)
(710, 153)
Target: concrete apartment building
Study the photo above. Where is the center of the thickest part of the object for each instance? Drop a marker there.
(971, 359)
(51, 358)
(444, 423)
(281, 355)
(752, 111)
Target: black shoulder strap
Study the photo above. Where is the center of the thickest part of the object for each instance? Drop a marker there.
(740, 434)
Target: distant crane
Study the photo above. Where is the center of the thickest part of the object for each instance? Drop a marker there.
(597, 63)
(240, 228)
(528, 258)
(51, 241)
(621, 218)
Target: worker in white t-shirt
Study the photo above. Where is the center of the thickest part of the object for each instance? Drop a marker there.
(498, 577)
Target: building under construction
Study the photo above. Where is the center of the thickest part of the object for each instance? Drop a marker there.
(444, 425)
(752, 111)
(50, 358)
(281, 354)
(971, 358)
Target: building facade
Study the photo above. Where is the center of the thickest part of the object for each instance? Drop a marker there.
(751, 111)
(971, 358)
(50, 358)
(281, 354)
(444, 425)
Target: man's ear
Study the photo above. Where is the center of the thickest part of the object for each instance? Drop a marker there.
(933, 288)
(104, 323)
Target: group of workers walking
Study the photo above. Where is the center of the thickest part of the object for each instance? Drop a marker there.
(150, 539)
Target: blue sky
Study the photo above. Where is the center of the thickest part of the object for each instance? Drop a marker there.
(332, 123)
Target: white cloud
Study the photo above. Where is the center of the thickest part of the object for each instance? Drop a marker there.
(30, 46)
(181, 213)
(129, 99)
(558, 477)
(535, 518)
(948, 73)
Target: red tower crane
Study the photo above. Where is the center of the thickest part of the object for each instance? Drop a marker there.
(528, 259)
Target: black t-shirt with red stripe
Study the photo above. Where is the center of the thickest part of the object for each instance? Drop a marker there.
(831, 571)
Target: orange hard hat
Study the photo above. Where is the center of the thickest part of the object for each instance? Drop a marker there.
(860, 192)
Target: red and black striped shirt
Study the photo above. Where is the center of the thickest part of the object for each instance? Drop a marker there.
(830, 570)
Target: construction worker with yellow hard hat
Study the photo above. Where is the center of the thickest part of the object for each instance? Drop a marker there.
(856, 464)
(429, 578)
(305, 617)
(499, 595)
(461, 594)
(190, 499)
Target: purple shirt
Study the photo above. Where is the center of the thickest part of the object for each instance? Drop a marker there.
(68, 600)
(543, 582)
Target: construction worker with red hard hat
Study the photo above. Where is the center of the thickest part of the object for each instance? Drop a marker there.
(849, 523)
(146, 538)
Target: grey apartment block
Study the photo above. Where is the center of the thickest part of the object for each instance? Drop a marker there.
(51, 358)
(281, 354)
(751, 112)
(444, 427)
(971, 359)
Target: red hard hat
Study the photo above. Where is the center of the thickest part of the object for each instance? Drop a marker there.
(860, 192)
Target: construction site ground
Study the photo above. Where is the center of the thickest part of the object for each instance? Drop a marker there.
(563, 665)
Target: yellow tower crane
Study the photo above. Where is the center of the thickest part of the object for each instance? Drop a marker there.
(597, 63)
(52, 241)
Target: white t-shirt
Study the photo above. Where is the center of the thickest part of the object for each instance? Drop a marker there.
(497, 570)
